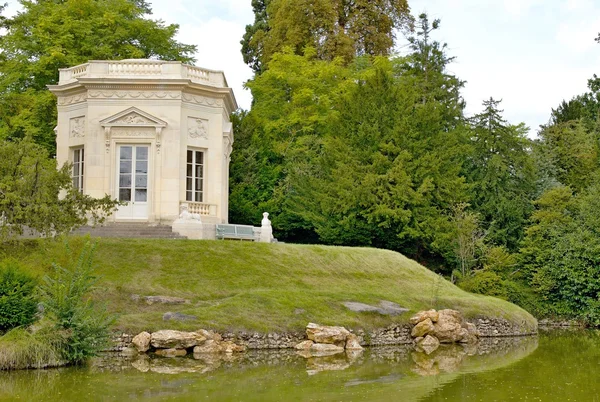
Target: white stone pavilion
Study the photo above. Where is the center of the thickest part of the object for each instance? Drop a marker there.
(153, 134)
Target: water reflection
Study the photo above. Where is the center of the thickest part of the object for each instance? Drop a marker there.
(382, 373)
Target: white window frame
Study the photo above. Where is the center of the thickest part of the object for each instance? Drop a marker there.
(77, 172)
(195, 192)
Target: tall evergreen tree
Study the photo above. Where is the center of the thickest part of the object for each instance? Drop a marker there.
(502, 175)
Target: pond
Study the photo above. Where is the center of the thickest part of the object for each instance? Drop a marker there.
(556, 366)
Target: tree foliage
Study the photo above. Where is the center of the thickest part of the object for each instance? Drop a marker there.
(502, 175)
(34, 194)
(334, 28)
(48, 35)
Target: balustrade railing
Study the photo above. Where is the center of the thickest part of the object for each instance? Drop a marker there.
(200, 208)
(142, 68)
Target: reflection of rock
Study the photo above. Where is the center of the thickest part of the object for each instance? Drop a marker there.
(447, 359)
(142, 364)
(325, 349)
(171, 352)
(305, 345)
(325, 334)
(315, 365)
(128, 352)
(428, 344)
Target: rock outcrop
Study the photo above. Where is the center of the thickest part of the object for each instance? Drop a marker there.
(445, 326)
(170, 343)
(327, 340)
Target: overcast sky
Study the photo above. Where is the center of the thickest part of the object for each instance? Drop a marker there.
(530, 53)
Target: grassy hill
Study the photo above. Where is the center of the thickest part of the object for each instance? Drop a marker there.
(255, 286)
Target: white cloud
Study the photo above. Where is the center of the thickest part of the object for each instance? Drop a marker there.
(519, 8)
(219, 46)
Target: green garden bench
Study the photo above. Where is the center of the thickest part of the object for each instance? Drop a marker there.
(238, 232)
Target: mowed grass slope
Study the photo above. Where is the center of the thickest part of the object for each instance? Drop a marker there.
(261, 287)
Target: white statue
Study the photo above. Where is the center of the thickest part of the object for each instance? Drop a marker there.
(186, 215)
(266, 231)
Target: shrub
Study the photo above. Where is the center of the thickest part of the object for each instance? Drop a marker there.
(18, 303)
(66, 297)
(484, 283)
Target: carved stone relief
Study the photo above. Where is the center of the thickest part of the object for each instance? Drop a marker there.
(227, 147)
(133, 118)
(202, 100)
(197, 128)
(77, 127)
(68, 100)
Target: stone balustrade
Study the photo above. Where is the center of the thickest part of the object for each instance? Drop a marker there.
(200, 208)
(143, 69)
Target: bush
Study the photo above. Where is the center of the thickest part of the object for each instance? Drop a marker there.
(18, 303)
(66, 297)
(484, 283)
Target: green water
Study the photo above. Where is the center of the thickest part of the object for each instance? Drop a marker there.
(551, 367)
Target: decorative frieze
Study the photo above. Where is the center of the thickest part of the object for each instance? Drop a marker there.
(135, 94)
(202, 100)
(197, 128)
(69, 100)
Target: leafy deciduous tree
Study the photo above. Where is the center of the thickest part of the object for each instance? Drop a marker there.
(48, 35)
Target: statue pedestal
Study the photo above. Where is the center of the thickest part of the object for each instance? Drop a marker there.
(191, 228)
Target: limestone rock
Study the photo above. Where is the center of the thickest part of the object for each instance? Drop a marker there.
(326, 334)
(210, 335)
(166, 339)
(448, 328)
(422, 328)
(169, 315)
(142, 341)
(385, 307)
(352, 342)
(210, 346)
(230, 347)
(150, 300)
(171, 352)
(305, 345)
(423, 315)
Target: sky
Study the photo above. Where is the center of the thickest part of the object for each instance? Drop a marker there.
(532, 54)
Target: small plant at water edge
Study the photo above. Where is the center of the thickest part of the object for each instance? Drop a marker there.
(67, 302)
(18, 303)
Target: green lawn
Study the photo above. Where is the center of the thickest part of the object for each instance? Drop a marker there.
(255, 286)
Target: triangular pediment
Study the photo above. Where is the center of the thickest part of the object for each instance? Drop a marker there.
(132, 117)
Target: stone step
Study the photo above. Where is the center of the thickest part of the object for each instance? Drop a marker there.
(129, 230)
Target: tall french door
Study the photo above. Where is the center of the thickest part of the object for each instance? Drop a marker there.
(132, 181)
